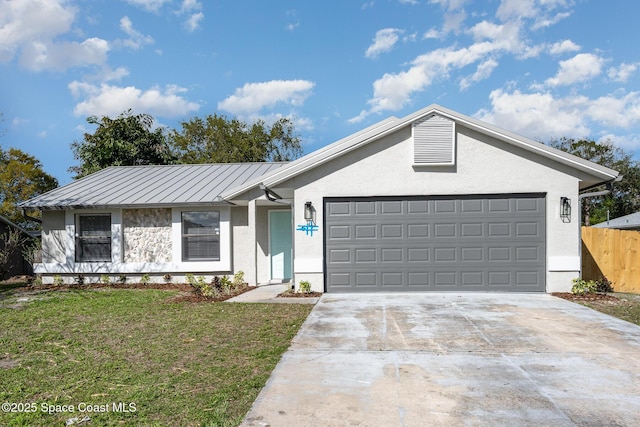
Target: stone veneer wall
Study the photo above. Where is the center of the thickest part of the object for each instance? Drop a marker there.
(147, 235)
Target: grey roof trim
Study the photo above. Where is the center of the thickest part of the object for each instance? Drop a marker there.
(627, 221)
(137, 186)
(391, 124)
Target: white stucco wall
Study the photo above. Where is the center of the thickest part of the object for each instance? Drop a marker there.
(59, 242)
(483, 166)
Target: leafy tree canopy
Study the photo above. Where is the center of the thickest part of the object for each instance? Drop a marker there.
(217, 139)
(21, 178)
(625, 196)
(127, 140)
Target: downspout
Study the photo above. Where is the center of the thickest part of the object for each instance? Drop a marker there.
(274, 197)
(609, 185)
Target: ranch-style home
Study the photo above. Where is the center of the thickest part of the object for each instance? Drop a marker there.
(434, 201)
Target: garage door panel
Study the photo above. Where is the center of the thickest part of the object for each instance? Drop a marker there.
(467, 243)
(444, 230)
(392, 231)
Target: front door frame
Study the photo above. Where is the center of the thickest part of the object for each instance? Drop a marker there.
(283, 238)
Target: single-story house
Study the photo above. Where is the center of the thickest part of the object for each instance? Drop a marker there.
(434, 201)
(17, 264)
(627, 222)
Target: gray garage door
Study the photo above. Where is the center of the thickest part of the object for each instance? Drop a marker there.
(468, 243)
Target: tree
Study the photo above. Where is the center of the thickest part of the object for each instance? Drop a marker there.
(21, 178)
(217, 139)
(127, 140)
(624, 198)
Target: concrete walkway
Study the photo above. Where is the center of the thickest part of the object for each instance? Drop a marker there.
(454, 359)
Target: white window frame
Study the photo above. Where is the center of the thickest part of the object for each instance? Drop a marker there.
(224, 264)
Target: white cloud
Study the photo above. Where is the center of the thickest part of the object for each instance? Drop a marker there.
(253, 97)
(191, 8)
(622, 73)
(542, 12)
(293, 26)
(629, 143)
(620, 110)
(150, 5)
(109, 100)
(580, 68)
(432, 34)
(25, 22)
(563, 47)
(190, 5)
(483, 71)
(29, 29)
(543, 116)
(536, 115)
(384, 41)
(510, 9)
(454, 16)
(547, 21)
(136, 39)
(393, 91)
(193, 22)
(39, 56)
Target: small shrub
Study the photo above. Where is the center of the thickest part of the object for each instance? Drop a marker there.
(105, 279)
(217, 284)
(37, 281)
(227, 285)
(80, 279)
(145, 279)
(57, 280)
(603, 285)
(122, 279)
(582, 287)
(190, 278)
(200, 286)
(304, 286)
(238, 279)
(167, 278)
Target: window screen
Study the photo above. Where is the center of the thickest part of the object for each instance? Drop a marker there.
(201, 236)
(93, 238)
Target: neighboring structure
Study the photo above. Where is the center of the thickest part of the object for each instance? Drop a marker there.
(435, 201)
(627, 222)
(17, 264)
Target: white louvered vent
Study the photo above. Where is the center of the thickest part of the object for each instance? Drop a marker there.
(434, 141)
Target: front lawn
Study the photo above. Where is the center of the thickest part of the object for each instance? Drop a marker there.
(133, 357)
(620, 305)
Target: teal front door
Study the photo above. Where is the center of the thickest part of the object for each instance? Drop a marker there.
(280, 234)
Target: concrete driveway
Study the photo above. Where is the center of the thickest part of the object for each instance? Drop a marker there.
(455, 359)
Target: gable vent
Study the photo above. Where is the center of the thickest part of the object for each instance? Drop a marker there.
(434, 141)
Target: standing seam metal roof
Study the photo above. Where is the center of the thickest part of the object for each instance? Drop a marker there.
(152, 185)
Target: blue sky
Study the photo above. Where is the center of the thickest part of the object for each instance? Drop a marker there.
(541, 68)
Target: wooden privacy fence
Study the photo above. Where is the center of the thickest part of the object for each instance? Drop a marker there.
(614, 254)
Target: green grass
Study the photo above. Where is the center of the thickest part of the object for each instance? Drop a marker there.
(176, 363)
(628, 307)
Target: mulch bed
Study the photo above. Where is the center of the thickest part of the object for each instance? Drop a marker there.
(294, 294)
(584, 298)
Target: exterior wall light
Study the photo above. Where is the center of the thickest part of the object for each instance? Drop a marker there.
(309, 213)
(565, 209)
